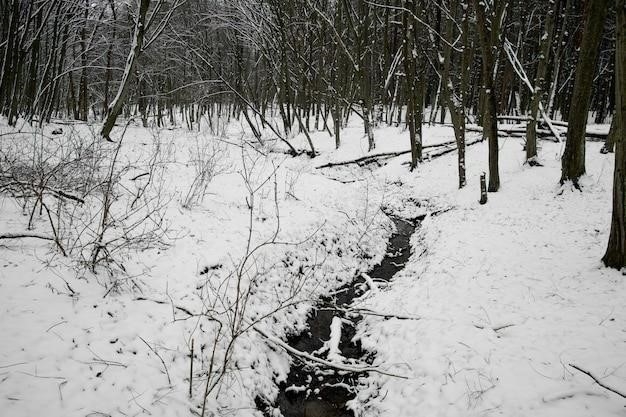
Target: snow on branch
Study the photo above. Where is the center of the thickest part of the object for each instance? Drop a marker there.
(326, 363)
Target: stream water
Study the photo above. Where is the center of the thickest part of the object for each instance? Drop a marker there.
(311, 391)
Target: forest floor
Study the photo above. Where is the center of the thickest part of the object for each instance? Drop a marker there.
(508, 294)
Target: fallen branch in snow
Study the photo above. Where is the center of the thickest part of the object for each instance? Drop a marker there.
(368, 312)
(520, 130)
(495, 328)
(183, 309)
(511, 130)
(23, 235)
(569, 394)
(597, 380)
(169, 381)
(516, 118)
(519, 70)
(337, 366)
(369, 159)
(53, 191)
(364, 160)
(370, 282)
(441, 211)
(435, 154)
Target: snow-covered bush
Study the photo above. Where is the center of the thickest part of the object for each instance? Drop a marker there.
(79, 192)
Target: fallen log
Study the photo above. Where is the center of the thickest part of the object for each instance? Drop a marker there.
(593, 134)
(449, 146)
(514, 130)
(527, 119)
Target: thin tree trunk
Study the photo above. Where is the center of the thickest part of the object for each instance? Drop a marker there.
(539, 85)
(82, 95)
(411, 78)
(456, 103)
(116, 105)
(107, 74)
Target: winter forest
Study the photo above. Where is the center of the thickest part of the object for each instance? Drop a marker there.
(312, 208)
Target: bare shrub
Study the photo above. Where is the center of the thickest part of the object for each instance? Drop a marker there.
(206, 156)
(77, 186)
(231, 294)
(291, 180)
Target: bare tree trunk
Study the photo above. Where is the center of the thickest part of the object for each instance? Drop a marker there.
(366, 80)
(82, 94)
(456, 104)
(107, 74)
(609, 143)
(573, 160)
(488, 27)
(615, 255)
(9, 60)
(31, 84)
(116, 105)
(539, 85)
(408, 48)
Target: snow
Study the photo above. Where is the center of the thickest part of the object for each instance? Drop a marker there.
(507, 294)
(334, 354)
(81, 349)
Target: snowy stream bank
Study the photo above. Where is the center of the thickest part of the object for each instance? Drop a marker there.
(311, 390)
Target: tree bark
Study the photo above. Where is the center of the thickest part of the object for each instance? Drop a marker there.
(539, 85)
(573, 160)
(615, 255)
(408, 50)
(455, 103)
(489, 34)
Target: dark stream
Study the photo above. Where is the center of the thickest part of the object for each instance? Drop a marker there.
(311, 391)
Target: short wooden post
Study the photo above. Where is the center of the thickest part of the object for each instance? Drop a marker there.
(483, 189)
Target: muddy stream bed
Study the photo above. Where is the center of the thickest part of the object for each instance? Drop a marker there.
(314, 391)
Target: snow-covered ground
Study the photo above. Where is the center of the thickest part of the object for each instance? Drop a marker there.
(508, 294)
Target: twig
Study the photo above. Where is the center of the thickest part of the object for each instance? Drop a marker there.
(496, 328)
(136, 177)
(597, 381)
(55, 325)
(169, 381)
(13, 364)
(183, 309)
